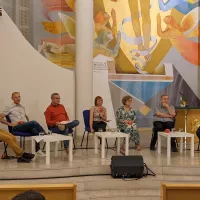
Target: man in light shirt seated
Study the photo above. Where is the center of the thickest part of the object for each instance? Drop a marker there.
(16, 113)
(55, 114)
(164, 115)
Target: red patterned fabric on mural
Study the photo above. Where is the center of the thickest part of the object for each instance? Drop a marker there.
(54, 5)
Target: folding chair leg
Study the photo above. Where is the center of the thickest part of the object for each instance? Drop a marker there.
(87, 141)
(5, 154)
(44, 146)
(198, 146)
(74, 142)
(20, 142)
(177, 145)
(115, 145)
(5, 149)
(107, 143)
(83, 138)
(23, 143)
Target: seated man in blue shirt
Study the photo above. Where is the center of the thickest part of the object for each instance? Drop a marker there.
(164, 115)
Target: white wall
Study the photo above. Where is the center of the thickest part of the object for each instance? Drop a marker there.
(24, 70)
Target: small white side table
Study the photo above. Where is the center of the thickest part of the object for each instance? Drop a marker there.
(56, 138)
(105, 135)
(180, 135)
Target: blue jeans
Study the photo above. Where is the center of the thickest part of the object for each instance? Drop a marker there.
(68, 129)
(31, 127)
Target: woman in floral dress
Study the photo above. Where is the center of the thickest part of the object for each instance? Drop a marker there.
(126, 121)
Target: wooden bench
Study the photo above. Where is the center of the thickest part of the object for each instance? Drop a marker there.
(50, 191)
(180, 191)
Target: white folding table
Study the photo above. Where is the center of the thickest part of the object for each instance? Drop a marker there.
(105, 135)
(180, 135)
(56, 138)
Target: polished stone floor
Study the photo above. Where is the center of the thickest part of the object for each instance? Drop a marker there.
(87, 158)
(91, 174)
(87, 162)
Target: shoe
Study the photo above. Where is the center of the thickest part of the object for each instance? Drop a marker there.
(152, 148)
(23, 160)
(40, 153)
(28, 155)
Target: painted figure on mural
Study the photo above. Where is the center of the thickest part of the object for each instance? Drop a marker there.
(60, 50)
(183, 6)
(175, 33)
(104, 34)
(145, 27)
(55, 5)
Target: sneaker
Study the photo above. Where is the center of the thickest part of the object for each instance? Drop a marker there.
(152, 148)
(23, 160)
(28, 155)
(40, 153)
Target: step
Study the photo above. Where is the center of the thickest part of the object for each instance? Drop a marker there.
(79, 169)
(119, 195)
(98, 183)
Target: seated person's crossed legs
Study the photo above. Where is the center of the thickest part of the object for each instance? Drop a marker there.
(31, 127)
(65, 129)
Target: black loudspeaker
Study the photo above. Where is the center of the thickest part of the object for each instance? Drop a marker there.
(127, 167)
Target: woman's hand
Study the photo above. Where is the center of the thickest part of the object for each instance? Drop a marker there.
(130, 122)
(124, 121)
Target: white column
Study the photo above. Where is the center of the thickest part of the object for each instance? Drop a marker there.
(84, 59)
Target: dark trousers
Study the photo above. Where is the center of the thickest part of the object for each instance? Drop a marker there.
(68, 129)
(99, 125)
(161, 126)
(31, 127)
(198, 132)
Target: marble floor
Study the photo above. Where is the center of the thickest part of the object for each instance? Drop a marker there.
(91, 174)
(87, 162)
